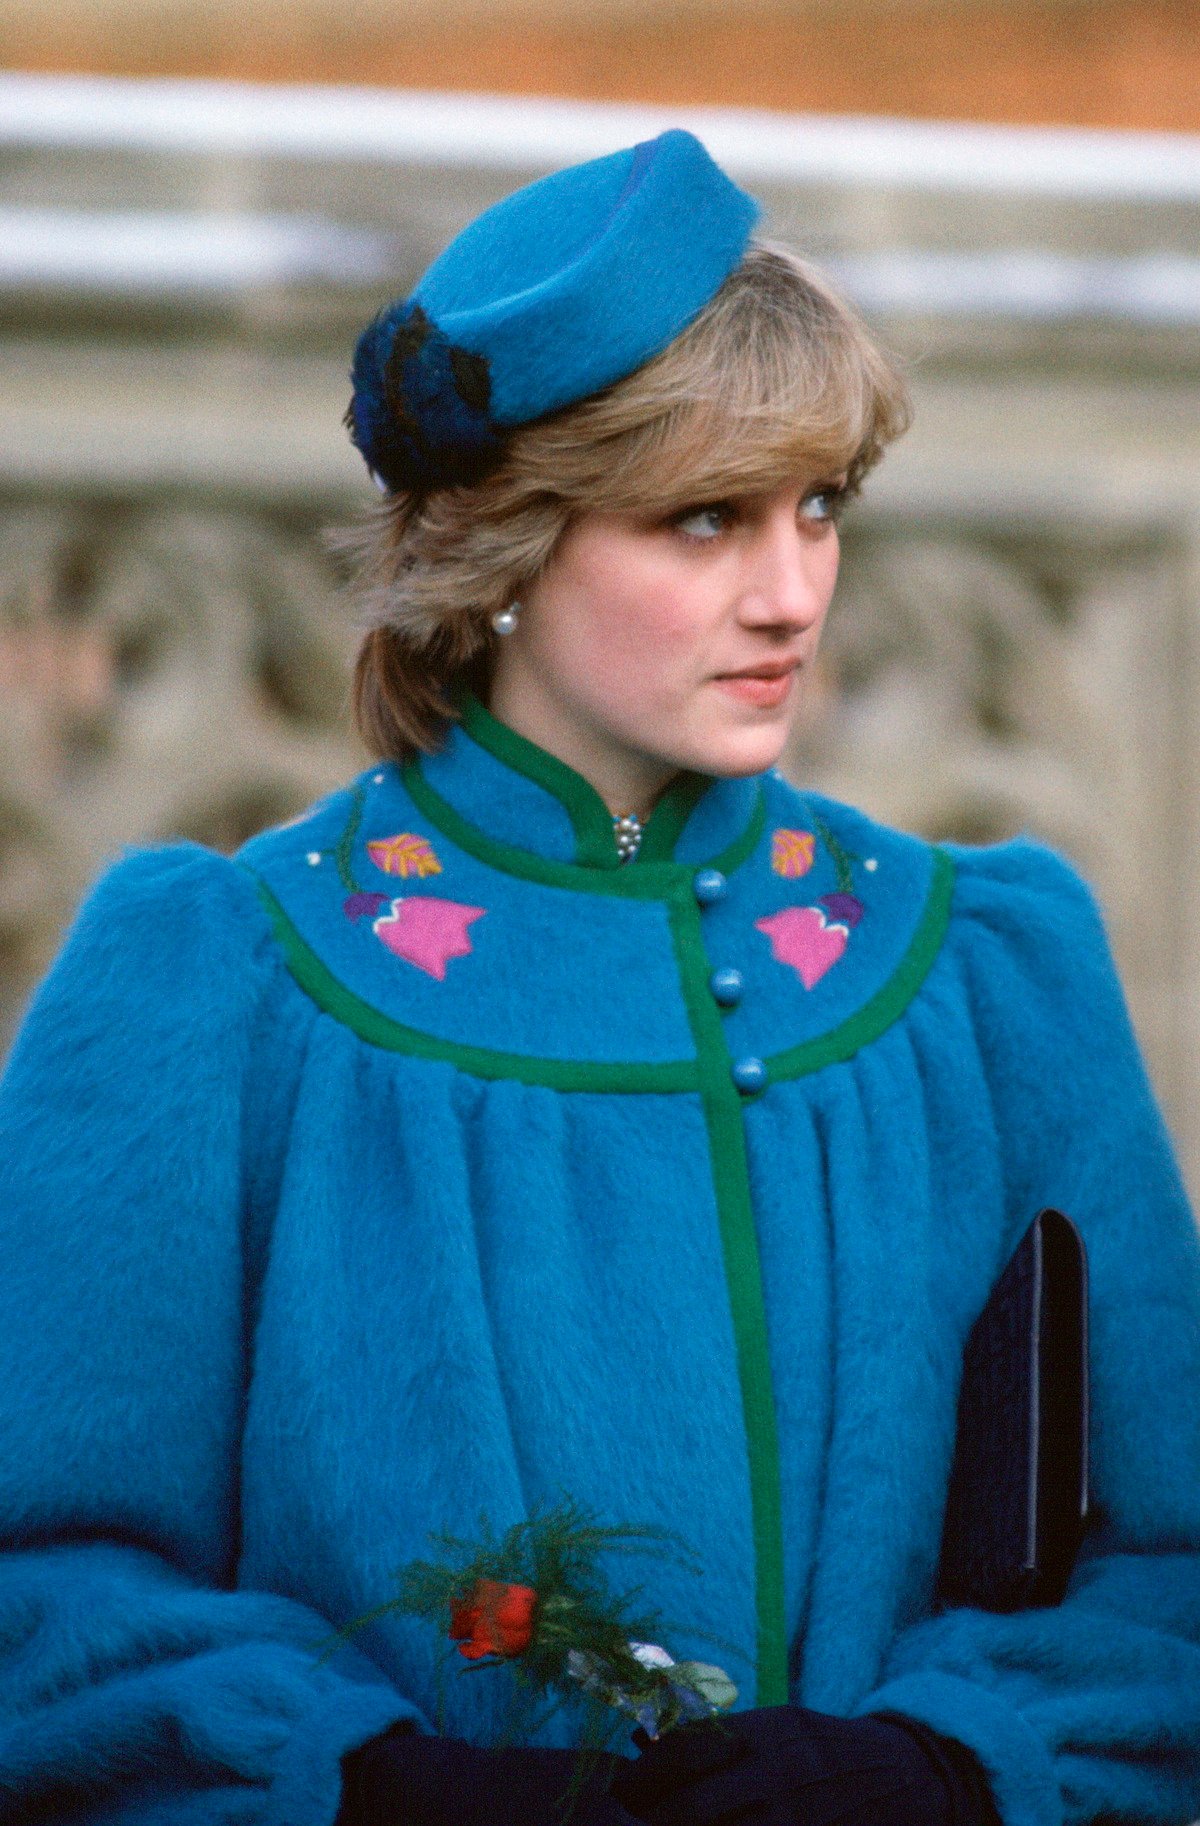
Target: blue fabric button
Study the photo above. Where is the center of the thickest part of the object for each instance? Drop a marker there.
(727, 985)
(709, 885)
(749, 1074)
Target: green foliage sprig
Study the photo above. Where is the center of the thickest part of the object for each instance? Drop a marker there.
(582, 1644)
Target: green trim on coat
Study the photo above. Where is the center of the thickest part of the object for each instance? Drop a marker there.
(722, 1103)
(652, 880)
(370, 1024)
(379, 1029)
(709, 1074)
(591, 820)
(888, 1003)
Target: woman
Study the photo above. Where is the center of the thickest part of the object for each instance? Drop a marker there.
(570, 1105)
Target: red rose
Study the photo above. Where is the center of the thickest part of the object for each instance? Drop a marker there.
(496, 1619)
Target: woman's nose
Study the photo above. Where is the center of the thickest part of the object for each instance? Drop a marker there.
(791, 576)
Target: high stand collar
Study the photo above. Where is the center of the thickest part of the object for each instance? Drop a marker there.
(521, 795)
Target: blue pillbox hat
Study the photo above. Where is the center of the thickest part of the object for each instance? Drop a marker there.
(553, 293)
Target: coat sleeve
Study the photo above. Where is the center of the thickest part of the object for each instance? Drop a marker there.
(137, 1683)
(1088, 1711)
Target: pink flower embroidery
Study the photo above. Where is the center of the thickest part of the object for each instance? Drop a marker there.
(803, 938)
(427, 931)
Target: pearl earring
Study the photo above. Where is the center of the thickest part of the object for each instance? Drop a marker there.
(505, 620)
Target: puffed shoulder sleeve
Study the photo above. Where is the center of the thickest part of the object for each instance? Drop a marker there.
(137, 1682)
(1089, 1711)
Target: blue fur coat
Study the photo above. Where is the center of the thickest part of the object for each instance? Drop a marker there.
(421, 1161)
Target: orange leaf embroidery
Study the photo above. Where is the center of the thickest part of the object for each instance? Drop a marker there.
(405, 854)
(792, 852)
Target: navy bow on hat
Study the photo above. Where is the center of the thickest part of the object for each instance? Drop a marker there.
(555, 292)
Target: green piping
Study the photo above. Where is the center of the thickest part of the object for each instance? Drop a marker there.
(871, 1020)
(888, 1003)
(379, 1029)
(664, 827)
(591, 820)
(722, 1104)
(743, 847)
(645, 884)
(652, 880)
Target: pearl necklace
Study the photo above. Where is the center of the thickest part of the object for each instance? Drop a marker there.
(627, 829)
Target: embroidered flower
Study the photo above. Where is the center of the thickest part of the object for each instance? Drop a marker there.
(495, 1619)
(803, 938)
(844, 907)
(360, 905)
(427, 931)
(792, 852)
(405, 854)
(811, 939)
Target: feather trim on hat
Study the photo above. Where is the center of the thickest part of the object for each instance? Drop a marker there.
(419, 412)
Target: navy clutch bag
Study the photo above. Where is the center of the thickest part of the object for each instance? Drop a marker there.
(1017, 1503)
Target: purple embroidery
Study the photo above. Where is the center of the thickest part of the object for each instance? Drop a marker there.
(362, 905)
(844, 907)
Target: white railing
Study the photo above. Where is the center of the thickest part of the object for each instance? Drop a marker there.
(917, 219)
(506, 133)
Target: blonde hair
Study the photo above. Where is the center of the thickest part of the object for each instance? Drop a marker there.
(776, 375)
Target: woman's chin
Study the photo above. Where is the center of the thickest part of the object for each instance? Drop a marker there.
(747, 750)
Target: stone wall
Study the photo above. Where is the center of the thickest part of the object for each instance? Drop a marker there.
(1015, 642)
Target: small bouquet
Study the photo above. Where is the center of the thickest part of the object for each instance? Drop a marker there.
(535, 1601)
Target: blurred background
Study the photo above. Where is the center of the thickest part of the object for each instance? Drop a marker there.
(201, 205)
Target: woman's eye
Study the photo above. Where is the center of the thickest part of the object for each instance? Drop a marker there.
(703, 522)
(823, 504)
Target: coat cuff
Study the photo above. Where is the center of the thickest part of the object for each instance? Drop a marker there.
(307, 1787)
(1017, 1763)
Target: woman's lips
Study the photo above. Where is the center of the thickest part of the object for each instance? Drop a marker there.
(767, 692)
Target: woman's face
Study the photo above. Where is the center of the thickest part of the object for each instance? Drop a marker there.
(650, 645)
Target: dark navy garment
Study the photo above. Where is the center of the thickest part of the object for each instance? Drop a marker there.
(787, 1767)
(417, 1163)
